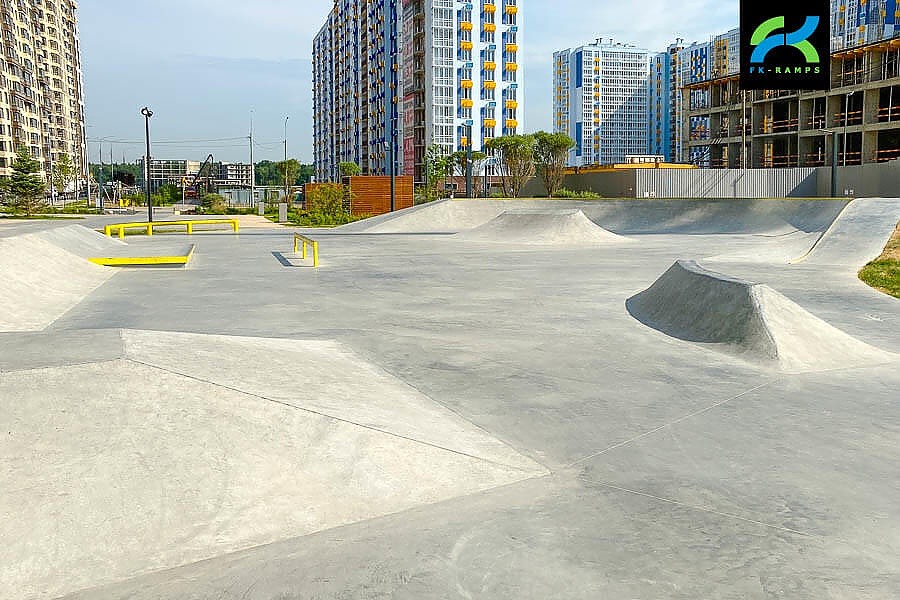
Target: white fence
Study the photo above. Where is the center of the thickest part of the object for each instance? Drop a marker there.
(726, 183)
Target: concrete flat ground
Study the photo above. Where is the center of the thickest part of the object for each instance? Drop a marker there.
(427, 416)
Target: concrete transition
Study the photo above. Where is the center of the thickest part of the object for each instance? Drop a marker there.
(186, 447)
(543, 228)
(858, 235)
(43, 278)
(754, 321)
(624, 217)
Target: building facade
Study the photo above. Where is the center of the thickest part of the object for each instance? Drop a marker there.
(717, 125)
(396, 78)
(41, 90)
(661, 100)
(601, 101)
(355, 80)
(177, 172)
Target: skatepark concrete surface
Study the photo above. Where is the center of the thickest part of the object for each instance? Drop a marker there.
(707, 410)
(543, 228)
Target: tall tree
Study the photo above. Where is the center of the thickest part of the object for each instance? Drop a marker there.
(438, 167)
(515, 157)
(551, 151)
(289, 170)
(349, 169)
(25, 188)
(460, 164)
(63, 174)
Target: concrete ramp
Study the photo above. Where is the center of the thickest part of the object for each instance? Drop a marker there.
(543, 228)
(624, 217)
(42, 281)
(82, 241)
(753, 321)
(858, 235)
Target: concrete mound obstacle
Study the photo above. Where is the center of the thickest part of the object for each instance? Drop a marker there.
(42, 280)
(751, 320)
(858, 235)
(543, 228)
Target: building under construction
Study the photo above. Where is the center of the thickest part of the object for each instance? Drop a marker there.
(716, 125)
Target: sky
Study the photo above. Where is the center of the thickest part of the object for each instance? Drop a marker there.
(202, 66)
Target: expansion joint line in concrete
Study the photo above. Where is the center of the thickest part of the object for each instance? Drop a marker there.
(670, 424)
(333, 418)
(699, 508)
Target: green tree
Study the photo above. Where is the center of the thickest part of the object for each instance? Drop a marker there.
(289, 170)
(169, 194)
(460, 164)
(438, 167)
(349, 169)
(25, 187)
(63, 173)
(551, 151)
(515, 158)
(326, 199)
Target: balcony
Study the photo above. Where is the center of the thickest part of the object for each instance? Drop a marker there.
(465, 26)
(490, 85)
(512, 66)
(490, 8)
(512, 104)
(511, 123)
(490, 123)
(490, 28)
(490, 65)
(466, 103)
(465, 46)
(511, 9)
(466, 84)
(512, 47)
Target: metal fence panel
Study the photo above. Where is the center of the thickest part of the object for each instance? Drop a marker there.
(726, 183)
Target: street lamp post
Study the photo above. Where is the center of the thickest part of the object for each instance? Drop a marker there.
(469, 190)
(389, 146)
(147, 114)
(286, 191)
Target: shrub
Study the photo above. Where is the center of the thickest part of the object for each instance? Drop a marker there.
(214, 204)
(583, 195)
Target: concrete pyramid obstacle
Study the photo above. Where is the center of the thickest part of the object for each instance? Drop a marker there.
(754, 321)
(543, 228)
(42, 280)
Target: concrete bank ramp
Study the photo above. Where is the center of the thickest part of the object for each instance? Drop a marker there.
(176, 448)
(751, 320)
(41, 280)
(543, 228)
(858, 235)
(82, 241)
(624, 217)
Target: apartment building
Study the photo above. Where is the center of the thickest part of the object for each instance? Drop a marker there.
(395, 80)
(174, 172)
(355, 79)
(601, 101)
(661, 99)
(719, 125)
(41, 93)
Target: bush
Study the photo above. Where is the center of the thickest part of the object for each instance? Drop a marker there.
(569, 194)
(320, 219)
(214, 204)
(424, 194)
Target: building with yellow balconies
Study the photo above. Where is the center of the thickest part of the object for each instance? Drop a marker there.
(601, 101)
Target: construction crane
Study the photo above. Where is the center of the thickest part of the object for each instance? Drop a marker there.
(192, 190)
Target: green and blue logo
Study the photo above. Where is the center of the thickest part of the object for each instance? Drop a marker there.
(765, 39)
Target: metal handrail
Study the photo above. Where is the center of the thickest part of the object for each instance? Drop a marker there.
(302, 239)
(107, 230)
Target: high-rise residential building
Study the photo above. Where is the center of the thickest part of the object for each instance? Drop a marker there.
(717, 125)
(42, 99)
(421, 73)
(661, 102)
(355, 79)
(600, 101)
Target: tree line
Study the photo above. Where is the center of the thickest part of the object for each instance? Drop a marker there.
(518, 159)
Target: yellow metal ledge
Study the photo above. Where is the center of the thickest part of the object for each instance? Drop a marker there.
(302, 240)
(188, 225)
(141, 261)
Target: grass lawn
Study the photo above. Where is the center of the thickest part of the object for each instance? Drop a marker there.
(883, 273)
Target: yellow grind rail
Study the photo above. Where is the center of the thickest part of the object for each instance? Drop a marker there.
(302, 239)
(141, 261)
(108, 230)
